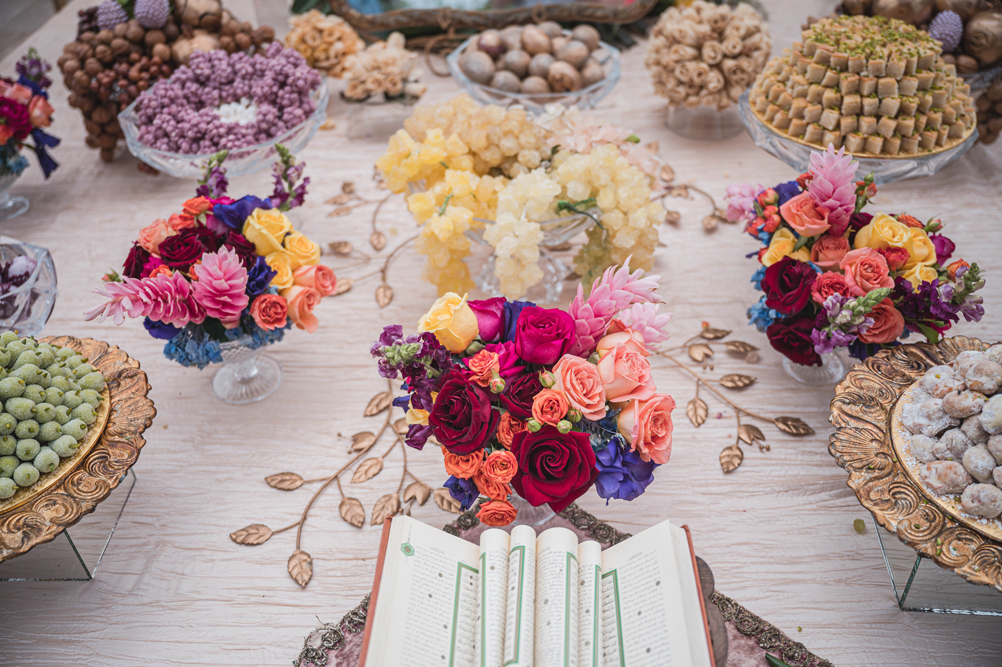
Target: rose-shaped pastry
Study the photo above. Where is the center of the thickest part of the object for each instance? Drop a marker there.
(543, 335)
(829, 283)
(266, 229)
(462, 418)
(508, 427)
(626, 375)
(270, 311)
(865, 270)
(791, 337)
(318, 276)
(787, 285)
(647, 426)
(463, 467)
(497, 513)
(452, 321)
(882, 232)
(921, 249)
(500, 466)
(302, 251)
(282, 266)
(801, 214)
(490, 318)
(829, 250)
(781, 246)
(553, 468)
(582, 384)
(549, 407)
(302, 301)
(519, 393)
(887, 325)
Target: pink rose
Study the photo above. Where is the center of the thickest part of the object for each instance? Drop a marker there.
(625, 374)
(829, 250)
(151, 236)
(301, 302)
(647, 426)
(581, 382)
(887, 325)
(40, 111)
(800, 213)
(827, 284)
(17, 92)
(895, 257)
(319, 277)
(269, 311)
(865, 270)
(619, 334)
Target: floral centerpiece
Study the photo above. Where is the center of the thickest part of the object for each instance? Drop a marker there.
(24, 111)
(833, 275)
(536, 405)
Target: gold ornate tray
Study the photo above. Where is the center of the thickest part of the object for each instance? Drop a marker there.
(51, 506)
(863, 413)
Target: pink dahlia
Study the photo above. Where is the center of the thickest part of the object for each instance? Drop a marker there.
(741, 202)
(162, 298)
(833, 186)
(220, 284)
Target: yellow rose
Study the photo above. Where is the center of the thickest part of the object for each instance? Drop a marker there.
(452, 321)
(282, 263)
(920, 273)
(883, 232)
(302, 250)
(266, 228)
(782, 246)
(416, 416)
(920, 249)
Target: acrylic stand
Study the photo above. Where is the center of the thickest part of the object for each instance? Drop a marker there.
(76, 553)
(921, 585)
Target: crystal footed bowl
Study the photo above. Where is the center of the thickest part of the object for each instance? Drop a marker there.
(239, 161)
(27, 307)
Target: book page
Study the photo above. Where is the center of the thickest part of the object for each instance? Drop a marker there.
(695, 625)
(556, 599)
(520, 614)
(427, 574)
(589, 604)
(494, 546)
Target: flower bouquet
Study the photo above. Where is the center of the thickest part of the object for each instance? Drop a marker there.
(533, 406)
(221, 276)
(835, 276)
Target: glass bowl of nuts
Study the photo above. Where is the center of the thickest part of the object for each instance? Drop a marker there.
(536, 65)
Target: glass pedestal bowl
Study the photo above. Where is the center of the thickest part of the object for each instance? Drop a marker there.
(27, 307)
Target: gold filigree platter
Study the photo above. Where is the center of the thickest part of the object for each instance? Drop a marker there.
(863, 412)
(89, 478)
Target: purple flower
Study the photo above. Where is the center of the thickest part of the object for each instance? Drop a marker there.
(463, 490)
(786, 191)
(622, 474)
(160, 330)
(259, 277)
(944, 247)
(234, 215)
(417, 435)
(512, 310)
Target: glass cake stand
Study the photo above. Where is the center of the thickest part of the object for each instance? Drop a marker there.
(886, 170)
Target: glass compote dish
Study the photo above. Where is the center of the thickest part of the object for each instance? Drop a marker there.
(27, 305)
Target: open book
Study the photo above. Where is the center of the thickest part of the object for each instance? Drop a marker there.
(528, 601)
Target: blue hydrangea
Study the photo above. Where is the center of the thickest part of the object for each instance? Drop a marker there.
(14, 164)
(757, 278)
(761, 316)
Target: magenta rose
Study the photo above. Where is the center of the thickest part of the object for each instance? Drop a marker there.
(135, 262)
(462, 418)
(944, 247)
(543, 335)
(519, 393)
(553, 467)
(791, 337)
(15, 117)
(508, 362)
(787, 285)
(490, 318)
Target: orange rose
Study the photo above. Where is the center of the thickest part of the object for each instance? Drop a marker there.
(492, 489)
(463, 467)
(910, 221)
(270, 311)
(582, 384)
(800, 213)
(162, 269)
(497, 513)
(40, 111)
(177, 222)
(508, 428)
(319, 277)
(196, 206)
(500, 466)
(887, 325)
(483, 366)
(152, 235)
(647, 426)
(302, 301)
(549, 406)
(956, 266)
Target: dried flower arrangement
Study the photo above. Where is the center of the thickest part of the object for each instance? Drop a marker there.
(383, 67)
(325, 41)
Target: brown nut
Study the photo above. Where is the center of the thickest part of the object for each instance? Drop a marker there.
(154, 37)
(591, 73)
(104, 37)
(477, 65)
(534, 40)
(540, 64)
(535, 85)
(135, 33)
(120, 29)
(93, 66)
(161, 51)
(575, 54)
(119, 45)
(506, 81)
(588, 35)
(551, 29)
(563, 77)
(517, 62)
(243, 41)
(70, 66)
(512, 37)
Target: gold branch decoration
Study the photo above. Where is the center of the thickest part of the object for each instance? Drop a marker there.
(666, 178)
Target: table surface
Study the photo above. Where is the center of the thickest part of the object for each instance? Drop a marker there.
(778, 532)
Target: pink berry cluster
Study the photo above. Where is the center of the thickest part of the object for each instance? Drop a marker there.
(179, 114)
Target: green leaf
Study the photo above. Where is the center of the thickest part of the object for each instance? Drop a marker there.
(801, 242)
(930, 334)
(859, 526)
(633, 139)
(774, 661)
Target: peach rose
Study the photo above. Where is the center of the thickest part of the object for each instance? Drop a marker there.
(865, 270)
(302, 301)
(582, 385)
(829, 250)
(40, 111)
(887, 324)
(500, 466)
(508, 428)
(625, 374)
(619, 334)
(177, 222)
(269, 311)
(549, 406)
(463, 467)
(17, 92)
(483, 366)
(497, 513)
(152, 235)
(647, 426)
(800, 214)
(489, 487)
(318, 276)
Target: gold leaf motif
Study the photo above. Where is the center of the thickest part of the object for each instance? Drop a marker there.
(739, 347)
(343, 285)
(361, 442)
(378, 240)
(378, 403)
(700, 351)
(679, 191)
(710, 222)
(445, 500)
(418, 492)
(339, 200)
(793, 426)
(301, 567)
(352, 511)
(750, 433)
(384, 294)
(737, 381)
(696, 411)
(367, 469)
(386, 506)
(673, 217)
(667, 174)
(342, 248)
(709, 333)
(339, 211)
(348, 188)
(284, 481)
(401, 426)
(730, 458)
(252, 535)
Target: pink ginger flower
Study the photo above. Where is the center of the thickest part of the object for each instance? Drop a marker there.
(219, 286)
(163, 298)
(741, 202)
(833, 186)
(614, 292)
(645, 318)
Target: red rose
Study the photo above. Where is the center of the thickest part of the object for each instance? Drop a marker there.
(787, 285)
(15, 116)
(791, 337)
(135, 262)
(553, 467)
(462, 418)
(519, 394)
(186, 247)
(543, 335)
(239, 244)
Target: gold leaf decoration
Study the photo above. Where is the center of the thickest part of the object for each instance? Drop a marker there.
(361, 442)
(339, 211)
(667, 174)
(793, 426)
(401, 426)
(284, 481)
(750, 433)
(378, 240)
(679, 191)
(378, 403)
(343, 285)
(696, 411)
(700, 351)
(352, 511)
(445, 500)
(341, 247)
(730, 458)
(740, 347)
(709, 333)
(710, 222)
(301, 567)
(252, 535)
(367, 469)
(387, 505)
(348, 188)
(384, 294)
(737, 381)
(339, 200)
(673, 217)
(419, 492)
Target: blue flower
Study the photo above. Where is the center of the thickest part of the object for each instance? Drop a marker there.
(757, 278)
(234, 215)
(622, 474)
(761, 316)
(787, 191)
(512, 309)
(161, 330)
(192, 347)
(463, 490)
(259, 278)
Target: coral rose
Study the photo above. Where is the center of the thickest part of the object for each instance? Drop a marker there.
(829, 250)
(883, 231)
(490, 487)
(282, 265)
(920, 249)
(647, 426)
(302, 301)
(910, 221)
(829, 283)
(508, 428)
(581, 383)
(319, 277)
(887, 325)
(152, 235)
(177, 222)
(17, 92)
(483, 365)
(302, 250)
(625, 375)
(549, 406)
(269, 311)
(497, 513)
(865, 270)
(463, 467)
(801, 214)
(895, 257)
(452, 321)
(500, 466)
(40, 111)
(266, 229)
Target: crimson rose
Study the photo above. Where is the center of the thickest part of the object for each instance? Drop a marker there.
(240, 245)
(518, 394)
(787, 285)
(462, 418)
(15, 117)
(553, 467)
(543, 335)
(792, 337)
(187, 247)
(135, 262)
